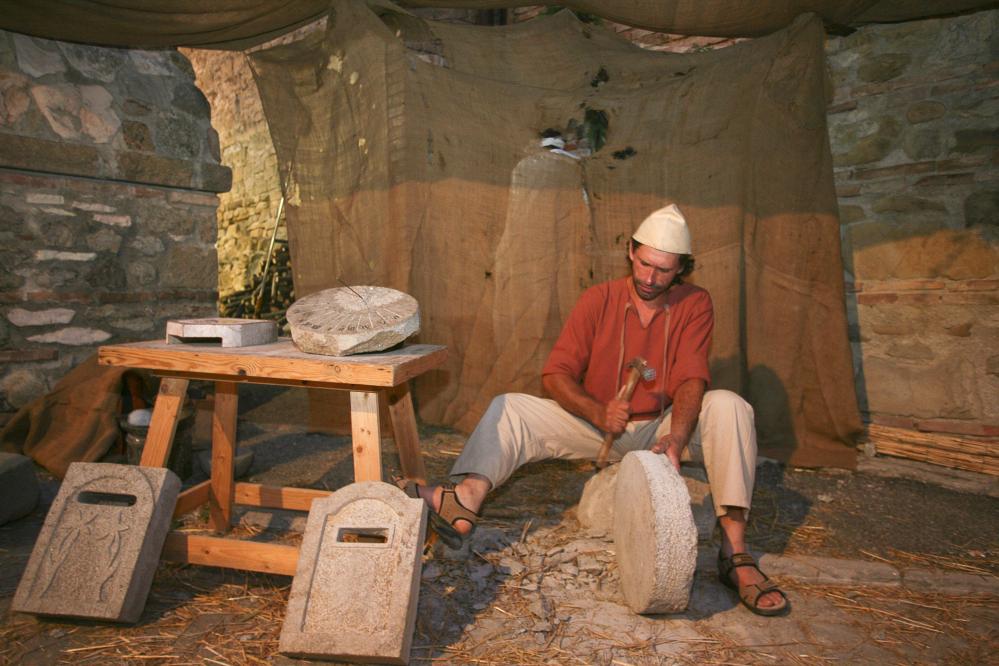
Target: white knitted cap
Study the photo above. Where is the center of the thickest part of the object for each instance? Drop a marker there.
(665, 230)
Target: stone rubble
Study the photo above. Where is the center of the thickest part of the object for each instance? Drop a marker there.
(555, 593)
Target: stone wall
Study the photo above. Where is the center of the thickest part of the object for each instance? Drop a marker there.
(108, 169)
(915, 140)
(248, 212)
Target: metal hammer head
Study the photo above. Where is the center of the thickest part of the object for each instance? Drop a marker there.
(638, 363)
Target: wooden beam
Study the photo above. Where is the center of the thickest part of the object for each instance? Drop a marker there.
(166, 413)
(407, 437)
(220, 496)
(366, 435)
(279, 360)
(191, 499)
(216, 552)
(270, 381)
(276, 497)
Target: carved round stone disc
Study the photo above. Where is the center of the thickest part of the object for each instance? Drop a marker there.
(340, 322)
(654, 534)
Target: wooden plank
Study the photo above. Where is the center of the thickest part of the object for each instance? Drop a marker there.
(429, 361)
(276, 497)
(191, 499)
(407, 437)
(223, 483)
(166, 413)
(270, 381)
(366, 435)
(279, 360)
(246, 555)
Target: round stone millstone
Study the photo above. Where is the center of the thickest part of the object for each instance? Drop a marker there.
(654, 534)
(340, 322)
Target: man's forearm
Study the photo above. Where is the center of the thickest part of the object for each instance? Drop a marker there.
(611, 417)
(573, 398)
(686, 410)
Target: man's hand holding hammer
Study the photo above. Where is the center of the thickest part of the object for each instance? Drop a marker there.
(615, 417)
(611, 417)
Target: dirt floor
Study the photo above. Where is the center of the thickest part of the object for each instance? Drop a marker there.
(534, 574)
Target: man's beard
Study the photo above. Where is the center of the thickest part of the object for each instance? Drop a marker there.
(659, 291)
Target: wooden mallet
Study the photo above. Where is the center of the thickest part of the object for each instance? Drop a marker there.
(636, 367)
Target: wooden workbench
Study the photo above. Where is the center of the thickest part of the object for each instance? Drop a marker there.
(277, 363)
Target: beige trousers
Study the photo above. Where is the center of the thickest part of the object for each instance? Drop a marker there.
(519, 429)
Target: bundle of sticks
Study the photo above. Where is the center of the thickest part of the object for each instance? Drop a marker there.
(269, 296)
(975, 455)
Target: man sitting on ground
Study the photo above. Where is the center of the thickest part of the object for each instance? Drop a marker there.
(655, 315)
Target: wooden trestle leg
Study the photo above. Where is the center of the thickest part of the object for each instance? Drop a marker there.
(407, 437)
(166, 413)
(366, 436)
(220, 496)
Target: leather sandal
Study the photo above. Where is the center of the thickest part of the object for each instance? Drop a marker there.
(451, 537)
(750, 594)
(452, 510)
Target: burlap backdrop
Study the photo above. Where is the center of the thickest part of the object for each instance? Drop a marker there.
(428, 177)
(239, 24)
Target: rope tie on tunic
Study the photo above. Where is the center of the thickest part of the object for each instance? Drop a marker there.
(620, 355)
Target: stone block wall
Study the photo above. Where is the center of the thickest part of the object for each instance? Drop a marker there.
(914, 129)
(108, 172)
(248, 212)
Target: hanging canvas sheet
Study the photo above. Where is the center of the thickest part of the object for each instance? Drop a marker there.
(240, 24)
(412, 156)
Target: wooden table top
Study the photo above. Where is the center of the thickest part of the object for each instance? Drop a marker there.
(280, 361)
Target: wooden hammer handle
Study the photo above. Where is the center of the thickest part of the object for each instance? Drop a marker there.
(624, 394)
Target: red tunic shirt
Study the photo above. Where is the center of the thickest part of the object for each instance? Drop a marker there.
(591, 348)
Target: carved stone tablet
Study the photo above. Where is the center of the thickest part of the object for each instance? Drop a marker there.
(98, 549)
(357, 582)
(342, 321)
(654, 534)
